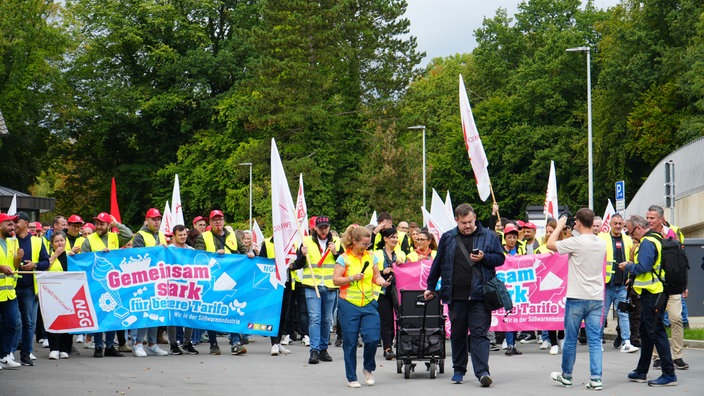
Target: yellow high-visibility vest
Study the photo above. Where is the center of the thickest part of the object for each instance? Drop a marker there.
(7, 282)
(647, 280)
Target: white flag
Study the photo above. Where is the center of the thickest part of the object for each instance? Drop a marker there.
(257, 235)
(283, 214)
(448, 204)
(433, 227)
(374, 220)
(475, 149)
(167, 220)
(606, 225)
(301, 208)
(439, 214)
(550, 206)
(176, 207)
(13, 206)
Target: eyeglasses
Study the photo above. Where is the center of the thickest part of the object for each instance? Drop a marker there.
(422, 239)
(74, 225)
(365, 244)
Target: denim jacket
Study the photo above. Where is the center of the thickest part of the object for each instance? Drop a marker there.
(443, 265)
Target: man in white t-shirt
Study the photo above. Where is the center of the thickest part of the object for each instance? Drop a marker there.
(585, 295)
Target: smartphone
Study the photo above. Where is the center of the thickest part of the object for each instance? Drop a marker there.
(475, 251)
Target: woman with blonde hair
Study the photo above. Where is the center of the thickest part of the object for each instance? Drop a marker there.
(356, 273)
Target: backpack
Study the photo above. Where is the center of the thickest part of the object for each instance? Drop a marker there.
(675, 264)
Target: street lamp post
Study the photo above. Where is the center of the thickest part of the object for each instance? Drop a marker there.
(249, 164)
(422, 127)
(589, 122)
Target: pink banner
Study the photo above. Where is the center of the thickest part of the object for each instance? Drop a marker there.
(537, 284)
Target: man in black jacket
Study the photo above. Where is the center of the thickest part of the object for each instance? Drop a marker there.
(463, 275)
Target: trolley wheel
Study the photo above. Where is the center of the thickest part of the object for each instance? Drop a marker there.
(433, 370)
(399, 366)
(407, 371)
(442, 366)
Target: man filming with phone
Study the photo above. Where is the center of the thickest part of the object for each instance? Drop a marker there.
(466, 257)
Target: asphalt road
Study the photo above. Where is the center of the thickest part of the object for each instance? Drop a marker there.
(257, 372)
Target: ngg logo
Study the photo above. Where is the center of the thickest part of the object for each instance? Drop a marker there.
(83, 313)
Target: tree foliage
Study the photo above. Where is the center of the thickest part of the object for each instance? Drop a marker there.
(142, 89)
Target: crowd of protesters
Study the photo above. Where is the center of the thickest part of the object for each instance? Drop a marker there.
(356, 301)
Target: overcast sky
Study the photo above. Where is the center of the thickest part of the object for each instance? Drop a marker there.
(446, 27)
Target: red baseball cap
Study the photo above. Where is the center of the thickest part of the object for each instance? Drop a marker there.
(75, 219)
(510, 227)
(104, 217)
(6, 217)
(39, 225)
(197, 219)
(89, 225)
(215, 213)
(153, 213)
(520, 223)
(530, 225)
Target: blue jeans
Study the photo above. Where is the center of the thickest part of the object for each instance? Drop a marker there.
(149, 332)
(109, 339)
(615, 295)
(355, 321)
(575, 311)
(10, 325)
(320, 316)
(28, 303)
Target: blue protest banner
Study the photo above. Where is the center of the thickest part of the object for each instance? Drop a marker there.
(157, 286)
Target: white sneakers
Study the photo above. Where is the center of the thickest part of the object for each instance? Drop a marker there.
(138, 350)
(369, 377)
(628, 348)
(554, 350)
(32, 357)
(63, 355)
(54, 355)
(278, 348)
(354, 384)
(156, 351)
(286, 340)
(306, 340)
(45, 343)
(545, 345)
(8, 362)
(80, 338)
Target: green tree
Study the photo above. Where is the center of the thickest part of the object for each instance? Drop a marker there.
(147, 78)
(32, 42)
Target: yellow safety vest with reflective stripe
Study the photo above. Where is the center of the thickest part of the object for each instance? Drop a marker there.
(647, 280)
(610, 264)
(7, 282)
(678, 232)
(323, 273)
(149, 240)
(37, 243)
(79, 242)
(230, 242)
(97, 245)
(359, 293)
